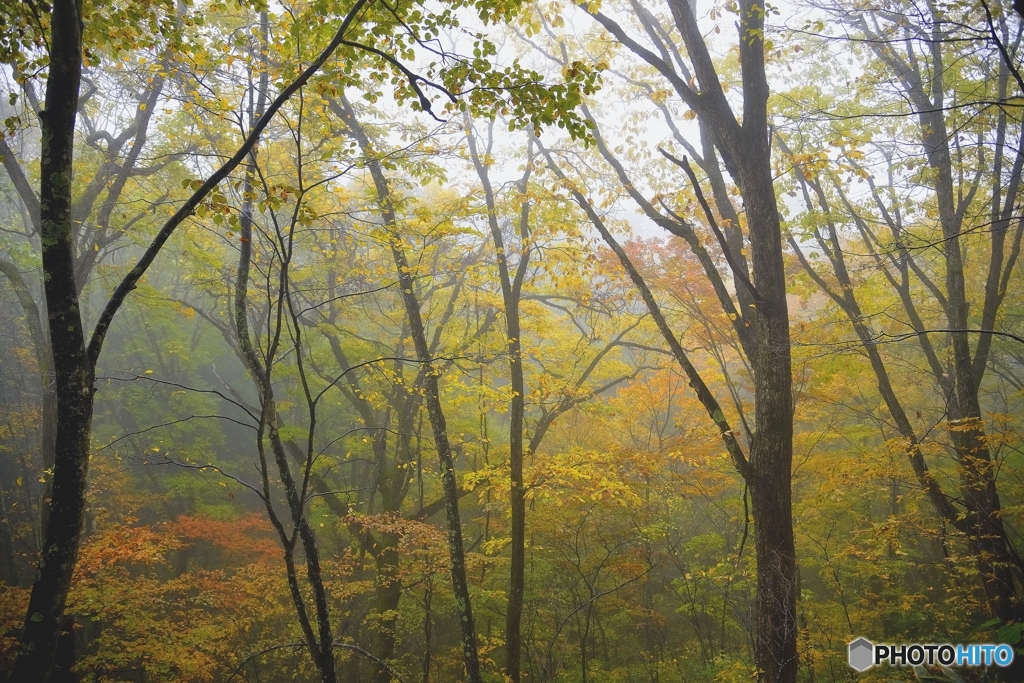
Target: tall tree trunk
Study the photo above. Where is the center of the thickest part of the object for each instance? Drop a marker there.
(74, 363)
(761, 321)
(73, 368)
(511, 289)
(432, 398)
(771, 451)
(321, 640)
(444, 452)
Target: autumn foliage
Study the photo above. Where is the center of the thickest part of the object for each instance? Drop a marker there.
(280, 455)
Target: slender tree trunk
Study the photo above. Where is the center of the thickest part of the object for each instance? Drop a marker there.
(74, 372)
(432, 398)
(44, 362)
(510, 294)
(321, 641)
(444, 452)
(389, 593)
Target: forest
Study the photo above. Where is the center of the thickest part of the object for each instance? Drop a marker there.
(373, 341)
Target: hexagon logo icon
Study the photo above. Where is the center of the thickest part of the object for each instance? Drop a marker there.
(861, 654)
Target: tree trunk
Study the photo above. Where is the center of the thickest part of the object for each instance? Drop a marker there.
(432, 398)
(321, 641)
(926, 92)
(444, 452)
(761, 322)
(74, 363)
(44, 362)
(73, 369)
(771, 452)
(510, 294)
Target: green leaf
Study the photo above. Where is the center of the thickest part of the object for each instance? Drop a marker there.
(1010, 633)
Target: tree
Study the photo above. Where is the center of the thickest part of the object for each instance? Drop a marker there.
(431, 392)
(759, 311)
(72, 365)
(970, 170)
(511, 295)
(74, 362)
(380, 298)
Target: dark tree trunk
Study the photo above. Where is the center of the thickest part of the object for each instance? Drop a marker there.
(321, 640)
(761, 321)
(432, 398)
(960, 383)
(771, 451)
(72, 365)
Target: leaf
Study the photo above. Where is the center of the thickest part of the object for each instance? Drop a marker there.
(1010, 634)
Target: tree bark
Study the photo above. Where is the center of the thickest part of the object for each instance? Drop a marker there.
(771, 451)
(74, 362)
(321, 641)
(444, 452)
(73, 368)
